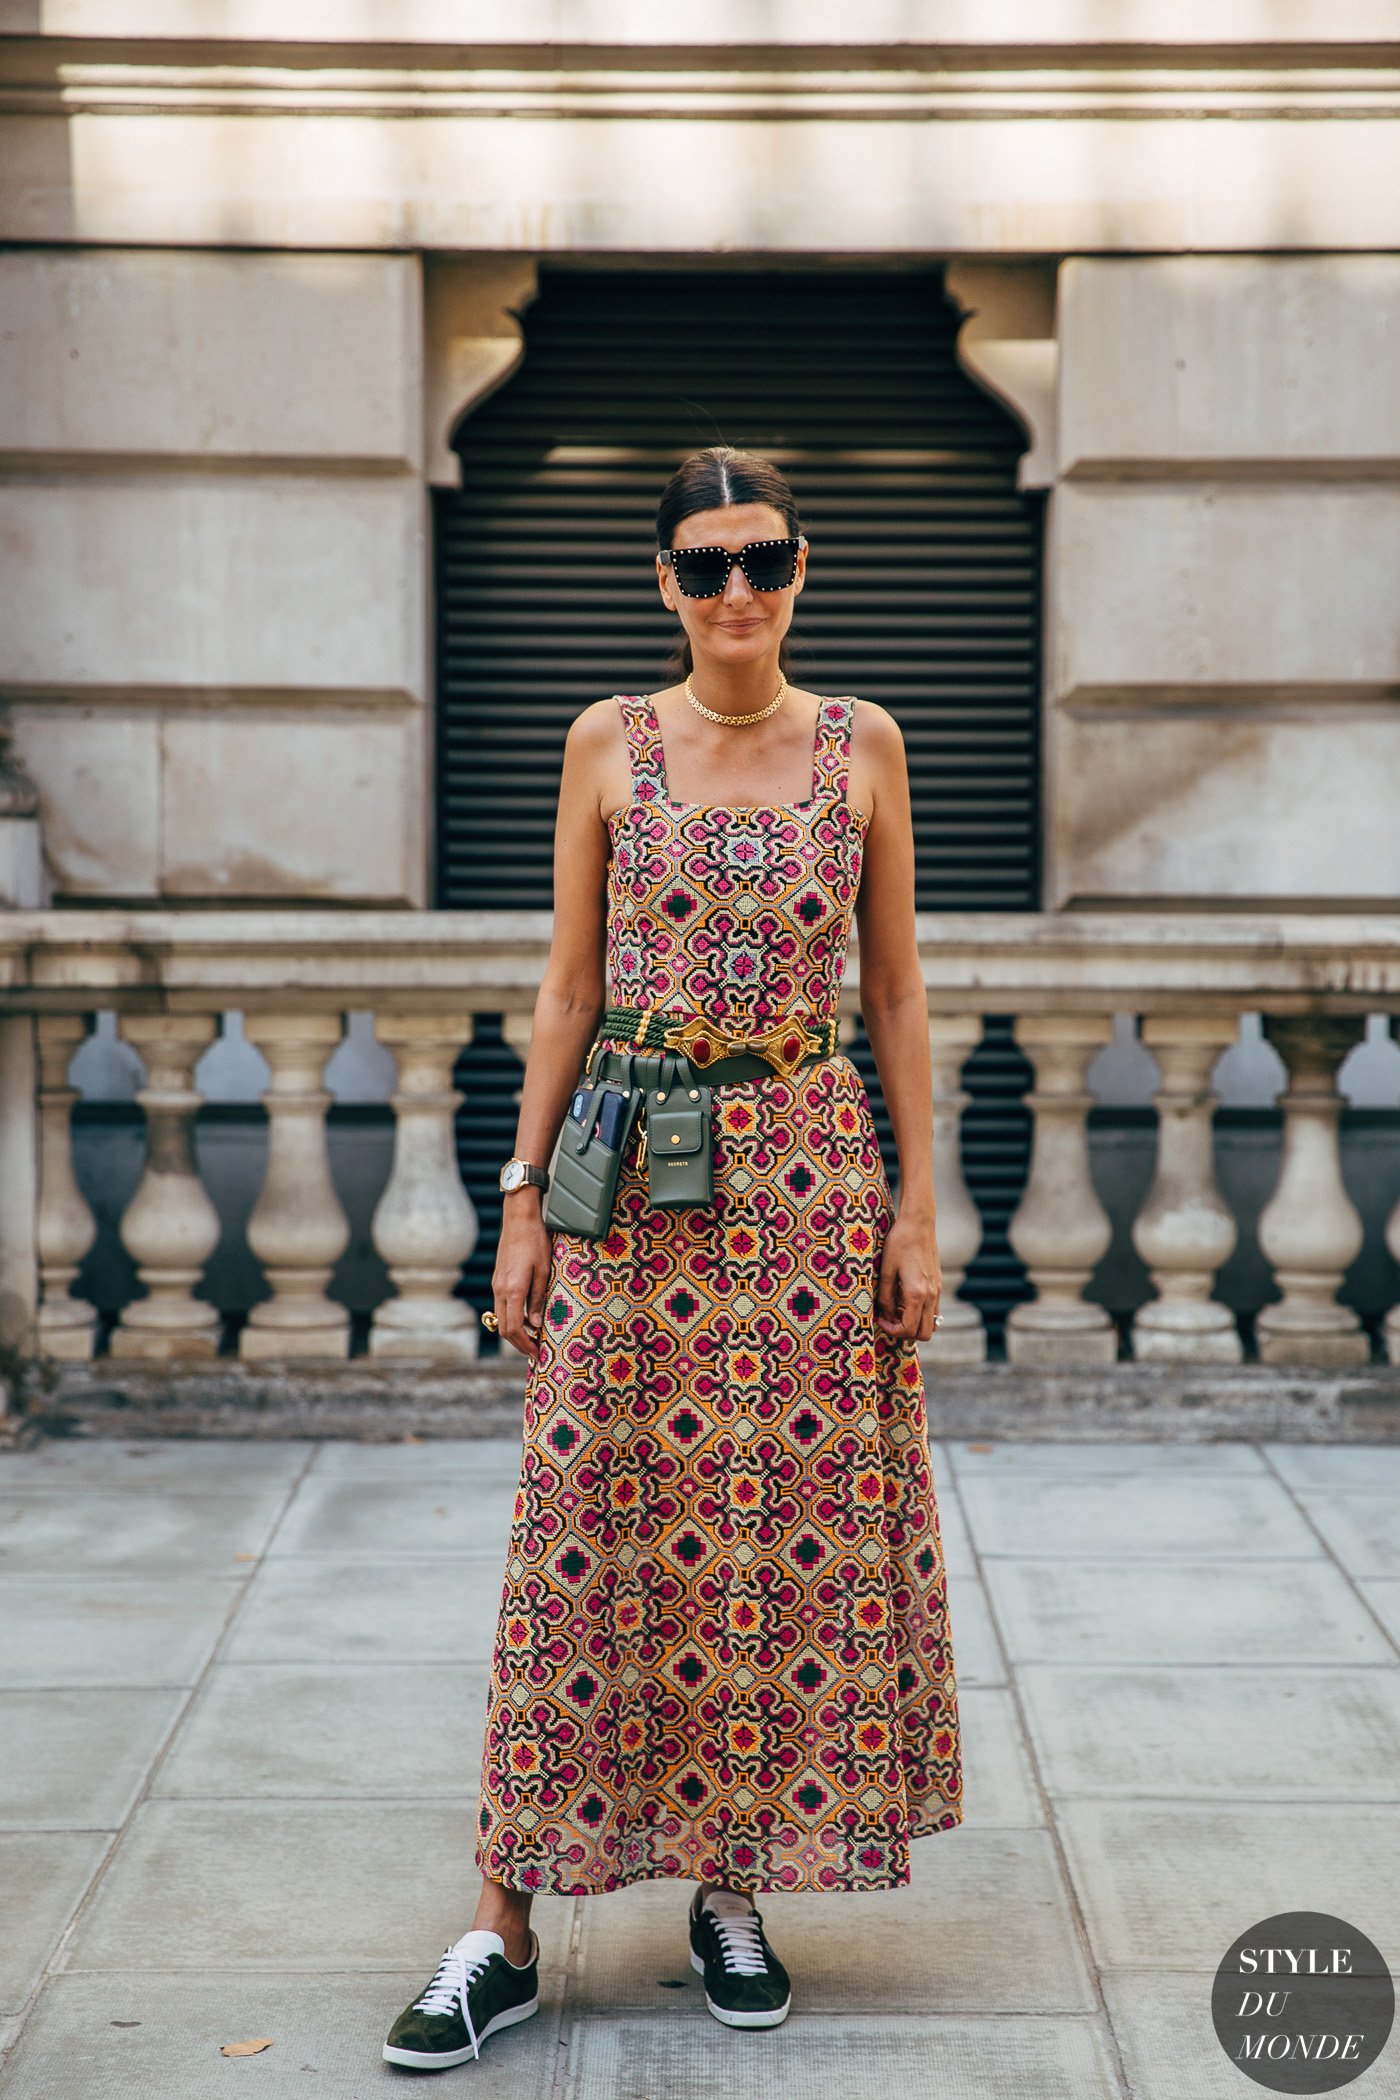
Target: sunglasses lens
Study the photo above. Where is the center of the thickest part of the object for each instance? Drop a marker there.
(771, 567)
(700, 571)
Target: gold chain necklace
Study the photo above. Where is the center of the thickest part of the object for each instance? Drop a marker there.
(738, 721)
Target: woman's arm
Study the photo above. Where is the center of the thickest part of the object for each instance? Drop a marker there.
(894, 1003)
(567, 1011)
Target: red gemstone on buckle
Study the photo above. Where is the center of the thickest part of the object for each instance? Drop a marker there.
(700, 1051)
(791, 1047)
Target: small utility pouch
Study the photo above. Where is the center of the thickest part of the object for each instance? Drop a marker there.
(588, 1154)
(680, 1157)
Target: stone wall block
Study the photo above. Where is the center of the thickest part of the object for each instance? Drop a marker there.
(1229, 360)
(258, 356)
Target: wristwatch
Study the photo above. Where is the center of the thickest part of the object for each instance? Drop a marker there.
(516, 1172)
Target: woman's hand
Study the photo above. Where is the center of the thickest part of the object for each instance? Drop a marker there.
(911, 1280)
(522, 1270)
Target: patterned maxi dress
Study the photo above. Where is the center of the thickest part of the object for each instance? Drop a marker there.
(723, 1649)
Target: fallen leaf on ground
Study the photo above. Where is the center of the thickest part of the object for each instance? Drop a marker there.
(412, 1439)
(245, 1556)
(246, 2048)
(979, 1447)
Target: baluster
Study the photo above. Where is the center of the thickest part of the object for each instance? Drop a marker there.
(424, 1226)
(517, 1029)
(1060, 1229)
(1392, 1318)
(65, 1228)
(1185, 1230)
(962, 1338)
(170, 1228)
(1310, 1229)
(297, 1229)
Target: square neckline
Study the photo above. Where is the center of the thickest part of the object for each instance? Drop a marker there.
(733, 808)
(858, 817)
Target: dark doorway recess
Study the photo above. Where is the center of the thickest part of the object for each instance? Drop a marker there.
(923, 594)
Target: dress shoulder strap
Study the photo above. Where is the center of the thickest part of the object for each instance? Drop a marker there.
(644, 748)
(833, 753)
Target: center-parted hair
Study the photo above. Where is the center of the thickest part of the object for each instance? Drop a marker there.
(712, 480)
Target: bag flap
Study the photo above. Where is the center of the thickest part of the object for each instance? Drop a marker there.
(674, 1132)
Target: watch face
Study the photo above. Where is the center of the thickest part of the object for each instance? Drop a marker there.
(512, 1174)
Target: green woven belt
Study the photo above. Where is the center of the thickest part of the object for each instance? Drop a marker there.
(645, 1029)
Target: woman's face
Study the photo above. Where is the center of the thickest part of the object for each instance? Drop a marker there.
(741, 625)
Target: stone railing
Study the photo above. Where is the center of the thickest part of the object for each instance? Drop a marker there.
(293, 976)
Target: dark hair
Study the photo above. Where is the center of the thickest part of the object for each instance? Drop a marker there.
(710, 480)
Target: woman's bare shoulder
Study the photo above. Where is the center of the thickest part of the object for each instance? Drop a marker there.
(879, 771)
(597, 727)
(596, 761)
(877, 743)
(876, 729)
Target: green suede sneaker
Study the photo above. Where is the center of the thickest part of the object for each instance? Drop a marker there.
(475, 1993)
(745, 1983)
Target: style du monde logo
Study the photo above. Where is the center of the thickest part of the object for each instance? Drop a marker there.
(1303, 2002)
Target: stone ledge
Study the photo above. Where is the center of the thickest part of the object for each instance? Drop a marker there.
(380, 1403)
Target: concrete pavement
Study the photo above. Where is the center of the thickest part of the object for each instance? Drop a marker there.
(240, 1697)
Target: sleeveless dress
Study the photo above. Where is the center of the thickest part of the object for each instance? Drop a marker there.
(723, 1649)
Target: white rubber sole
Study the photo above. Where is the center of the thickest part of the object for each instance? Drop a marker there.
(742, 2019)
(444, 2059)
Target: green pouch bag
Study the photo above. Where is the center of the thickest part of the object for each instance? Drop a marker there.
(588, 1154)
(680, 1156)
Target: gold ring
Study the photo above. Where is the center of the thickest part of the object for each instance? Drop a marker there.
(488, 1320)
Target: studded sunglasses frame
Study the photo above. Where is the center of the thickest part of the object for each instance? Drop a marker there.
(794, 547)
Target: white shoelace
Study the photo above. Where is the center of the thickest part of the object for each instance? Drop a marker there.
(740, 1944)
(449, 1987)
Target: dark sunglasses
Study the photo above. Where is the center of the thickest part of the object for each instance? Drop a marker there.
(703, 572)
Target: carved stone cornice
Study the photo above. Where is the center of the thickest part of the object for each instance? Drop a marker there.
(973, 128)
(1030, 82)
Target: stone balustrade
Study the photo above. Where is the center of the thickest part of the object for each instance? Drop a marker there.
(1187, 979)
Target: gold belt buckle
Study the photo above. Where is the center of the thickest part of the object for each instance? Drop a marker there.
(784, 1045)
(699, 1041)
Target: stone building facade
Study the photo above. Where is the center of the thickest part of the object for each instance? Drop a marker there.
(253, 280)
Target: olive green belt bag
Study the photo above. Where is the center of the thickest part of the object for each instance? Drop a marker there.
(674, 1109)
(679, 1138)
(587, 1157)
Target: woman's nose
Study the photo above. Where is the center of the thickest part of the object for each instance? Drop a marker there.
(736, 590)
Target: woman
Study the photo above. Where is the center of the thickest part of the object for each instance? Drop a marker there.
(723, 1651)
